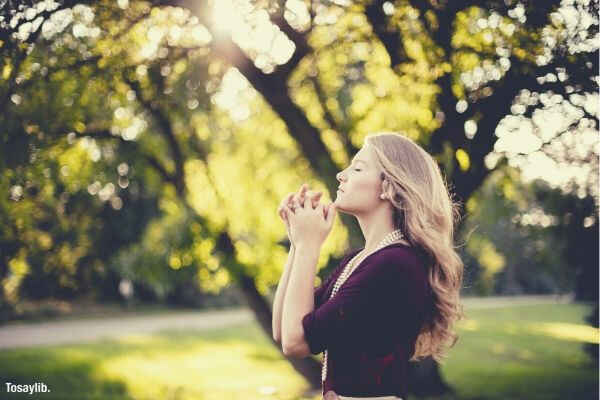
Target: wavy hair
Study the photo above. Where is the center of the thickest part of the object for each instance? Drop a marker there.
(426, 214)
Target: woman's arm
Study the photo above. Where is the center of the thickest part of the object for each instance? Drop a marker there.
(280, 294)
(299, 301)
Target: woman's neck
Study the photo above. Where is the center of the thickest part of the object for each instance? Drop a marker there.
(376, 225)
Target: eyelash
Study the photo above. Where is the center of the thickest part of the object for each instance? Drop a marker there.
(356, 169)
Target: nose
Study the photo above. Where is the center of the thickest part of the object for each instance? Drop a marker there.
(339, 176)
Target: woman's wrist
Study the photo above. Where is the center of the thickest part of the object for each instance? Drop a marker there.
(308, 246)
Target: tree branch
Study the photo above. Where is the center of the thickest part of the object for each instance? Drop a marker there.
(390, 38)
(273, 87)
(166, 130)
(150, 159)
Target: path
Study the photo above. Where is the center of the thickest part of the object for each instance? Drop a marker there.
(509, 301)
(90, 329)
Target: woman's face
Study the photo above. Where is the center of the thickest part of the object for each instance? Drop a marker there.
(360, 184)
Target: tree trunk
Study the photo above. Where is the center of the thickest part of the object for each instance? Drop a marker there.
(425, 379)
(308, 367)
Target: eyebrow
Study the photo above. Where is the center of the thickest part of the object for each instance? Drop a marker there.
(357, 161)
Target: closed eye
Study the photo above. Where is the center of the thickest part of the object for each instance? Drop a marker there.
(356, 169)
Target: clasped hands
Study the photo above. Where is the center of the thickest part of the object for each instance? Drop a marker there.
(308, 221)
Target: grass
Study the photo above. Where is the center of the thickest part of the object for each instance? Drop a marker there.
(514, 352)
(526, 352)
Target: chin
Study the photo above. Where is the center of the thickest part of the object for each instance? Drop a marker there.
(338, 207)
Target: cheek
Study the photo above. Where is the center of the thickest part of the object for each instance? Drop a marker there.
(361, 194)
(365, 188)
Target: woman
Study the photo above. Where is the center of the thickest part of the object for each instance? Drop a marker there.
(394, 300)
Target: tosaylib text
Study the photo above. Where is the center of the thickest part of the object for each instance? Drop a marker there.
(37, 387)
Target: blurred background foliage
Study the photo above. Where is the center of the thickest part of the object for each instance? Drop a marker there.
(150, 142)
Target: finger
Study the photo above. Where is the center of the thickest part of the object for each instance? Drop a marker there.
(299, 202)
(303, 191)
(284, 215)
(283, 201)
(281, 212)
(310, 194)
(319, 208)
(290, 202)
(298, 196)
(313, 204)
(289, 212)
(306, 202)
(288, 199)
(316, 199)
(296, 202)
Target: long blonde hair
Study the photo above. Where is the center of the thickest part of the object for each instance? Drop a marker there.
(426, 214)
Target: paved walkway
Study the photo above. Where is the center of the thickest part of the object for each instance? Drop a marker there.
(16, 335)
(504, 301)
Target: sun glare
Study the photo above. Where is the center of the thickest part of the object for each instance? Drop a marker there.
(227, 16)
(251, 29)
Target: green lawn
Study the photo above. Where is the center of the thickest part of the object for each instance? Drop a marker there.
(517, 352)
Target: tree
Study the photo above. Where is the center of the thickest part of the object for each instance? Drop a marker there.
(445, 73)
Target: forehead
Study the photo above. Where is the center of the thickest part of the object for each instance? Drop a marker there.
(363, 155)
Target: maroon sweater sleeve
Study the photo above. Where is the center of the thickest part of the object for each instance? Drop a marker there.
(320, 291)
(383, 285)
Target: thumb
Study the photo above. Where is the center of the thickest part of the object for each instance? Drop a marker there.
(331, 212)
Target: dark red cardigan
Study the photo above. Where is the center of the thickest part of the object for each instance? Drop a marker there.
(370, 326)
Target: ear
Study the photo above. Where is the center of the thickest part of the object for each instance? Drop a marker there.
(384, 184)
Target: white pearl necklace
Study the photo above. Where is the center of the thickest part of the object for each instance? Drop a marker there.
(350, 267)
